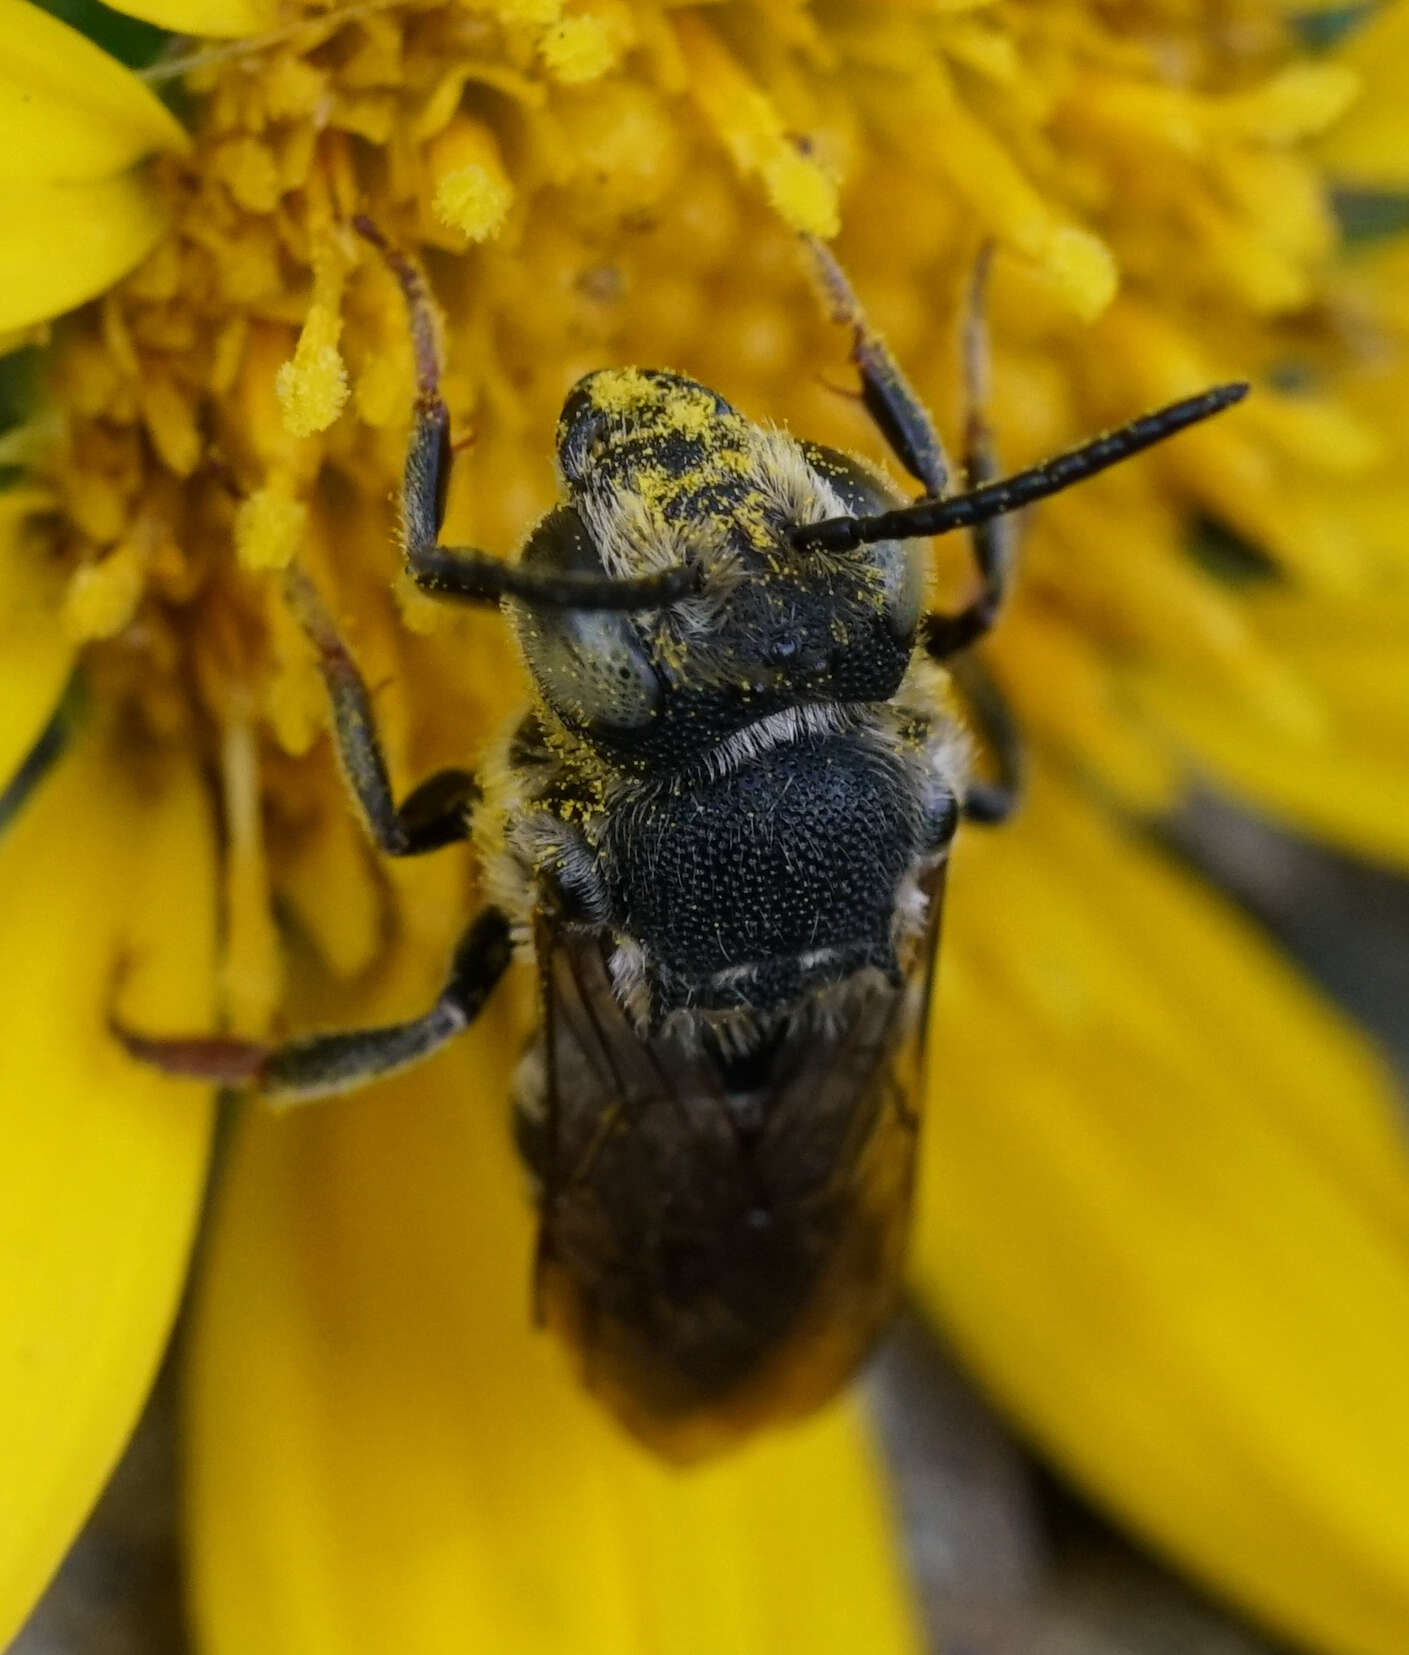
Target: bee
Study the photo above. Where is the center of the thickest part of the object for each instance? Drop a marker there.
(720, 837)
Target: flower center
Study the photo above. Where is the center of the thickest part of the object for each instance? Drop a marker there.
(606, 187)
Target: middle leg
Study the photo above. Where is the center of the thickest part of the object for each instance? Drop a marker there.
(890, 399)
(990, 799)
(993, 539)
(436, 813)
(907, 427)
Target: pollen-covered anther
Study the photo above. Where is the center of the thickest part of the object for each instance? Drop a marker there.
(471, 191)
(269, 527)
(102, 597)
(801, 193)
(1083, 267)
(474, 201)
(579, 49)
(312, 387)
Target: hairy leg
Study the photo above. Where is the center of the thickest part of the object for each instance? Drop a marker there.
(436, 813)
(461, 572)
(992, 539)
(324, 1064)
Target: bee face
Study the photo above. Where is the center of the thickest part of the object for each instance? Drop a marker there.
(659, 470)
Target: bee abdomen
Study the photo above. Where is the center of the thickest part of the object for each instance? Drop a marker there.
(714, 1266)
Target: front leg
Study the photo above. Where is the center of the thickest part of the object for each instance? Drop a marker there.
(460, 572)
(903, 420)
(325, 1064)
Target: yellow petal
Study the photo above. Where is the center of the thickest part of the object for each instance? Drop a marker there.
(1341, 778)
(63, 243)
(1303, 99)
(1343, 788)
(801, 192)
(224, 19)
(1370, 146)
(1167, 1219)
(67, 109)
(36, 653)
(384, 1454)
(104, 1161)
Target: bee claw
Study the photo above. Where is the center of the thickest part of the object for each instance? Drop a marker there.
(225, 1060)
(219, 1058)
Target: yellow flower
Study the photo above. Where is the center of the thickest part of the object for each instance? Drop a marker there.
(1167, 1210)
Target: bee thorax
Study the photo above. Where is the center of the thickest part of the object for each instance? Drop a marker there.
(750, 888)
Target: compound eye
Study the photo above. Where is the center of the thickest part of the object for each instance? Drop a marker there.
(591, 667)
(901, 565)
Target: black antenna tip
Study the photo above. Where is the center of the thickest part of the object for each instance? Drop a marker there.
(1224, 396)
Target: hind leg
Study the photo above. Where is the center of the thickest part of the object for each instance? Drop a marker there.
(991, 799)
(325, 1064)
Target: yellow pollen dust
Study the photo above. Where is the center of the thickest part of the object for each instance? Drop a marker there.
(102, 597)
(269, 527)
(312, 388)
(618, 390)
(690, 413)
(474, 200)
(578, 49)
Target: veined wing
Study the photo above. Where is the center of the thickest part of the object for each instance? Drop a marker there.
(721, 1239)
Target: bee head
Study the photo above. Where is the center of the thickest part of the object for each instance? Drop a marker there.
(659, 471)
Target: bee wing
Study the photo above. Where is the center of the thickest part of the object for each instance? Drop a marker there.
(599, 1067)
(717, 1260)
(874, 1055)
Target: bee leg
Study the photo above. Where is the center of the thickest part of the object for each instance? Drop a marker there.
(991, 800)
(906, 425)
(993, 542)
(461, 572)
(436, 813)
(890, 399)
(324, 1064)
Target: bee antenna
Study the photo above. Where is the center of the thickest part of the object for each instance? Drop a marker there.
(996, 499)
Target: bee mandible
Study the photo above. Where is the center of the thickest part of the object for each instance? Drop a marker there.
(720, 838)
